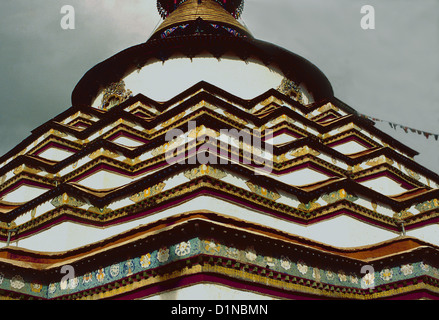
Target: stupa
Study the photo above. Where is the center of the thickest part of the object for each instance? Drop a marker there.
(208, 164)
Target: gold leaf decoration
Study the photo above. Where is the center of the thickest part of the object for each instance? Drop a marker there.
(149, 192)
(203, 104)
(427, 205)
(235, 118)
(412, 173)
(103, 152)
(65, 199)
(33, 213)
(281, 119)
(291, 89)
(402, 215)
(379, 160)
(263, 191)
(173, 119)
(272, 99)
(114, 95)
(132, 162)
(327, 107)
(281, 158)
(202, 130)
(310, 205)
(165, 147)
(204, 170)
(349, 127)
(304, 151)
(103, 210)
(339, 195)
(19, 169)
(374, 205)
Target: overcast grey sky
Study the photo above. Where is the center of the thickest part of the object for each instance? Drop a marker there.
(391, 73)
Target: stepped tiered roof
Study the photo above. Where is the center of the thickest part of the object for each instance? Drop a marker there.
(102, 188)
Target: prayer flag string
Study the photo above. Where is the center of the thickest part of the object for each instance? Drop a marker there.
(404, 127)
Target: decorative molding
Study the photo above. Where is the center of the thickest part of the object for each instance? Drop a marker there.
(327, 107)
(427, 205)
(294, 273)
(263, 191)
(103, 211)
(412, 174)
(339, 195)
(105, 153)
(202, 130)
(403, 215)
(235, 118)
(291, 89)
(65, 199)
(304, 151)
(114, 95)
(149, 192)
(310, 206)
(165, 147)
(379, 160)
(205, 170)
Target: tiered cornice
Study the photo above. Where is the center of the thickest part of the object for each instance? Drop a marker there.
(95, 150)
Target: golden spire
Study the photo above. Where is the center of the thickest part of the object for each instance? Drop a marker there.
(234, 7)
(208, 10)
